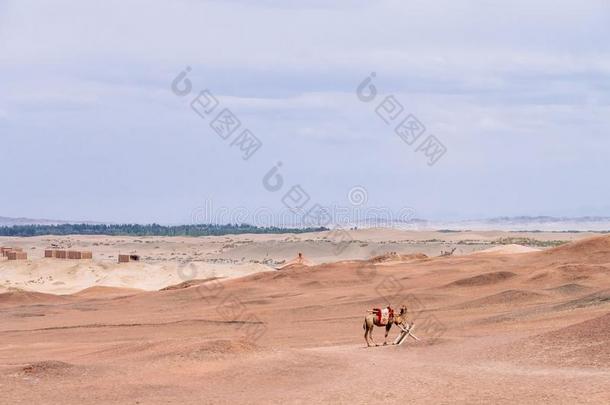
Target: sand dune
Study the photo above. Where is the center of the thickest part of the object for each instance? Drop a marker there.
(508, 297)
(19, 297)
(67, 277)
(483, 279)
(508, 249)
(597, 250)
(105, 292)
(583, 344)
(189, 283)
(488, 327)
(601, 297)
(569, 273)
(395, 257)
(571, 288)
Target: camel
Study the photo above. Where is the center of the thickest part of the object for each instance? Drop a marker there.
(370, 321)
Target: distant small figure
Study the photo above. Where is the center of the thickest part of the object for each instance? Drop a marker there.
(447, 253)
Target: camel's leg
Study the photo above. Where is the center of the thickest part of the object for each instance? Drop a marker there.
(371, 335)
(366, 332)
(387, 330)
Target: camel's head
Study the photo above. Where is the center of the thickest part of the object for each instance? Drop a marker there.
(401, 318)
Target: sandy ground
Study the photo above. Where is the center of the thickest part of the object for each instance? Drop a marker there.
(496, 327)
(168, 261)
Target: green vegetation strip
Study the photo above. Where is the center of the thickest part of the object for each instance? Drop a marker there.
(529, 242)
(146, 230)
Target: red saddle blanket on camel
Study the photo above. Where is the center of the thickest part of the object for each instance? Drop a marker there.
(383, 316)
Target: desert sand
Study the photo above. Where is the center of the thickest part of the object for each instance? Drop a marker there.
(166, 261)
(512, 325)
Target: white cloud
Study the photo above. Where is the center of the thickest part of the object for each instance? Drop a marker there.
(499, 84)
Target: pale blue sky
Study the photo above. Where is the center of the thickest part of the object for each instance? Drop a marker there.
(519, 94)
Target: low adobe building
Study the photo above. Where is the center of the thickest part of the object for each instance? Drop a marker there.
(5, 250)
(16, 255)
(70, 254)
(78, 255)
(128, 258)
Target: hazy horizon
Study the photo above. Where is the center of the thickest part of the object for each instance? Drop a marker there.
(585, 223)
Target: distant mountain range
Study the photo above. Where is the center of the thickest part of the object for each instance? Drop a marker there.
(547, 219)
(524, 223)
(520, 223)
